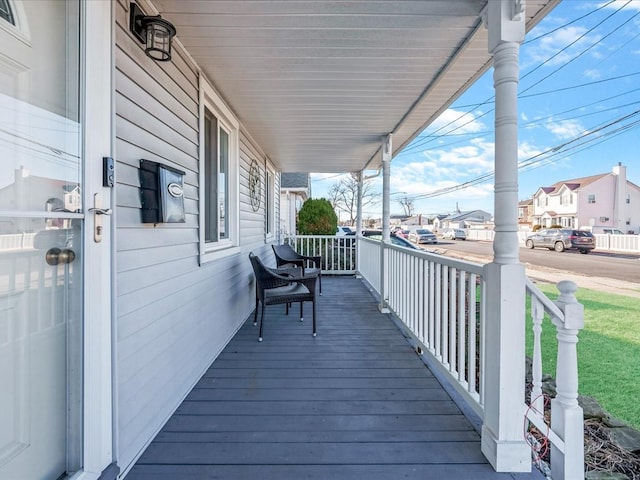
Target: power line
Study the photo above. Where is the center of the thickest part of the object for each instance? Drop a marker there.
(546, 155)
(432, 137)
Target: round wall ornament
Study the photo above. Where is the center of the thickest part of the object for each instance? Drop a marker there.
(255, 186)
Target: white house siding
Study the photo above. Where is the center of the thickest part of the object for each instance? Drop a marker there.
(603, 189)
(173, 316)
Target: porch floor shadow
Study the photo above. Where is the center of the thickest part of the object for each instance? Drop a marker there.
(356, 402)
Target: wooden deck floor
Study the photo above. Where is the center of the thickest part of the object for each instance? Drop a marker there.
(355, 402)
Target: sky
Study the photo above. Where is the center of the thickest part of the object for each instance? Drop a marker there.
(579, 115)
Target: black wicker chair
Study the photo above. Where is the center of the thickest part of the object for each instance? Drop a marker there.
(275, 286)
(287, 256)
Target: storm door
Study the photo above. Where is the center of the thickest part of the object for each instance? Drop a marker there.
(41, 240)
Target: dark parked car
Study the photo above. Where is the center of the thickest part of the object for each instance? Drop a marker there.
(561, 239)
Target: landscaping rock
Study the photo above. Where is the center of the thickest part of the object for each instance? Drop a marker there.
(613, 422)
(598, 475)
(626, 438)
(591, 408)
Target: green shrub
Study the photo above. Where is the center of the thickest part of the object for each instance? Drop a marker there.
(317, 217)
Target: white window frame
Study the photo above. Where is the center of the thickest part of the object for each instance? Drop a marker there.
(210, 100)
(20, 27)
(591, 198)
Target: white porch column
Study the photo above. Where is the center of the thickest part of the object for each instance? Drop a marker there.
(359, 222)
(387, 149)
(502, 437)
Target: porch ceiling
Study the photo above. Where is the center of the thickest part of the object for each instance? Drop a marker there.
(318, 83)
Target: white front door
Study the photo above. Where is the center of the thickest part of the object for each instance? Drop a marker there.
(43, 243)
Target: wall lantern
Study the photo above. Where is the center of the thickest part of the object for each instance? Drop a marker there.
(155, 32)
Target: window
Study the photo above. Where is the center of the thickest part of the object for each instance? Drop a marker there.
(5, 12)
(591, 198)
(216, 179)
(219, 159)
(546, 201)
(628, 198)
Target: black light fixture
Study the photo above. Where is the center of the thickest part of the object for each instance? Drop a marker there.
(155, 32)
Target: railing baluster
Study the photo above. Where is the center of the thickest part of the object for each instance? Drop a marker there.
(453, 315)
(566, 414)
(462, 332)
(445, 316)
(438, 310)
(472, 334)
(432, 306)
(449, 313)
(537, 314)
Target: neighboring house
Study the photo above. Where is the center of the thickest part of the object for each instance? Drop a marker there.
(295, 188)
(525, 214)
(607, 199)
(174, 160)
(469, 219)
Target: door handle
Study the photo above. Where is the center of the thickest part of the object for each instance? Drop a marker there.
(58, 256)
(101, 211)
(98, 213)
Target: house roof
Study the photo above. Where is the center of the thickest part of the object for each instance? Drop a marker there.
(572, 184)
(470, 215)
(294, 180)
(318, 83)
(524, 203)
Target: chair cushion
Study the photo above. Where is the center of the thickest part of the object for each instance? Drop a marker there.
(289, 293)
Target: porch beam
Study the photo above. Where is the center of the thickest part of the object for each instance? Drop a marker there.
(386, 149)
(502, 438)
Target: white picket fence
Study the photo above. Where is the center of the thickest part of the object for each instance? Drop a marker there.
(604, 242)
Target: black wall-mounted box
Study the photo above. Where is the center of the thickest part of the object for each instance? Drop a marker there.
(161, 193)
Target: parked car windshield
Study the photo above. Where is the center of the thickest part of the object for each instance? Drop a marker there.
(423, 231)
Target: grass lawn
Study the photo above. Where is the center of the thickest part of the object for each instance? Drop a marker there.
(608, 351)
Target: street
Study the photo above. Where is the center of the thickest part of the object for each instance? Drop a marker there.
(618, 266)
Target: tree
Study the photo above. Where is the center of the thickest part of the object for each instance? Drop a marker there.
(344, 195)
(317, 217)
(408, 205)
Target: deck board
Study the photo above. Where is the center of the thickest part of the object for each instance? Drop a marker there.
(354, 402)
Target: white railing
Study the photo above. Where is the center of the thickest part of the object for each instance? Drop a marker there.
(440, 300)
(16, 241)
(442, 303)
(369, 261)
(566, 432)
(338, 253)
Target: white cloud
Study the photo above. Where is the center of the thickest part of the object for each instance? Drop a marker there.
(565, 129)
(592, 74)
(625, 4)
(559, 48)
